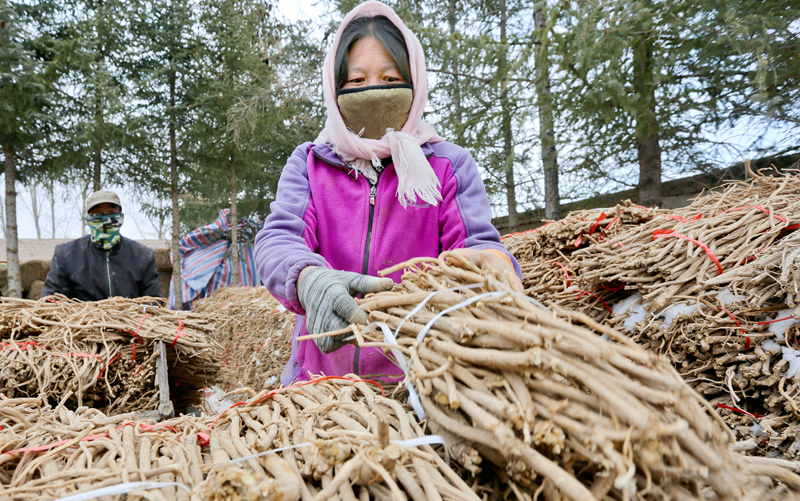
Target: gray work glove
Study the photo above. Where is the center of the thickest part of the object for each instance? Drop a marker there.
(327, 296)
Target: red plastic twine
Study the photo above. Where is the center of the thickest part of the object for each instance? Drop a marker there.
(179, 333)
(734, 409)
(671, 233)
(55, 444)
(526, 231)
(676, 218)
(584, 293)
(47, 447)
(594, 226)
(280, 390)
(20, 346)
(773, 321)
(569, 281)
(759, 207)
(612, 222)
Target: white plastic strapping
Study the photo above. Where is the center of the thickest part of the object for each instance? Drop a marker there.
(124, 488)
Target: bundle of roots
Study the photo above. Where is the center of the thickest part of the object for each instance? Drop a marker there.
(548, 271)
(332, 438)
(102, 353)
(713, 286)
(255, 331)
(50, 452)
(559, 402)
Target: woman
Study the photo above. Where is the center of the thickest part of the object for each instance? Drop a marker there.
(376, 188)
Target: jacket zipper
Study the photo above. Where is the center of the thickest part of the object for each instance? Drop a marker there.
(108, 274)
(373, 188)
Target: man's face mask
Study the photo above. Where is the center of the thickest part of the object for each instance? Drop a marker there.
(105, 229)
(376, 108)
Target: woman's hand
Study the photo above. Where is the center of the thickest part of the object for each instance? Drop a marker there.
(491, 259)
(327, 296)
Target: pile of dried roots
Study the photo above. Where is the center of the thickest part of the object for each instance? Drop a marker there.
(558, 402)
(255, 331)
(334, 438)
(101, 354)
(713, 286)
(548, 271)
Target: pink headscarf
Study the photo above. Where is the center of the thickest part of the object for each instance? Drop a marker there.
(416, 177)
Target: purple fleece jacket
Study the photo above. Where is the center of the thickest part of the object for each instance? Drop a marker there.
(320, 217)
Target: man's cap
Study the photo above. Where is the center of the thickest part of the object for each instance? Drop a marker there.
(102, 197)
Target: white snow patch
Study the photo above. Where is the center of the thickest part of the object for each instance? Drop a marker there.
(769, 344)
(793, 357)
(271, 381)
(780, 328)
(727, 297)
(635, 313)
(673, 311)
(216, 402)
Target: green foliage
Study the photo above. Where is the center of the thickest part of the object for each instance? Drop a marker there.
(27, 93)
(710, 65)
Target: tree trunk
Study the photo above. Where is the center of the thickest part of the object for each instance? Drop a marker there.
(98, 110)
(508, 145)
(14, 288)
(547, 135)
(35, 210)
(647, 133)
(3, 218)
(51, 191)
(236, 280)
(176, 218)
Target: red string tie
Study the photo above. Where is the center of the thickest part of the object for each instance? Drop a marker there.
(776, 320)
(594, 226)
(585, 293)
(676, 218)
(671, 233)
(179, 333)
(569, 281)
(759, 207)
(734, 409)
(55, 444)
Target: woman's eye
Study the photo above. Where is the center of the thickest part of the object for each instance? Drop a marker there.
(391, 79)
(355, 80)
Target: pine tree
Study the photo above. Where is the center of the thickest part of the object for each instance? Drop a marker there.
(165, 74)
(646, 80)
(96, 62)
(26, 94)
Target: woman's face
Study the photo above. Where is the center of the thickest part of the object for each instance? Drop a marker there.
(369, 64)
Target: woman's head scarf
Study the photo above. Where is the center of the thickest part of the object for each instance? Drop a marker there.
(415, 175)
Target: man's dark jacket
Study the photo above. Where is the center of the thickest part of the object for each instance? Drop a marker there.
(81, 270)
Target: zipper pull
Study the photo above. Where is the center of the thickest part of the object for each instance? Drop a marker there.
(372, 191)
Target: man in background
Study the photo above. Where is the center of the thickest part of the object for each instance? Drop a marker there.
(102, 264)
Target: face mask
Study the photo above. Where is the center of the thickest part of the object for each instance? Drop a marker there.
(369, 111)
(105, 229)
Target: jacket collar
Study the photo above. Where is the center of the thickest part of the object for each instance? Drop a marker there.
(326, 154)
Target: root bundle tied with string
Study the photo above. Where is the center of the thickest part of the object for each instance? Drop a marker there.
(102, 354)
(331, 438)
(555, 400)
(714, 287)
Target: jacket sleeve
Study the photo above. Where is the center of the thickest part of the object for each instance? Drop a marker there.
(285, 244)
(466, 217)
(149, 285)
(56, 282)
